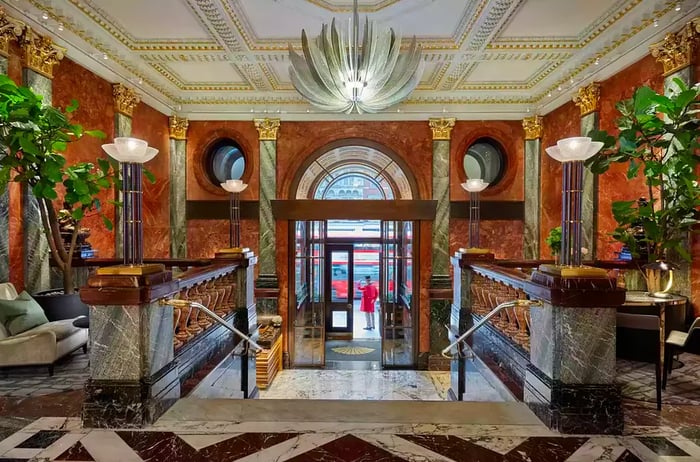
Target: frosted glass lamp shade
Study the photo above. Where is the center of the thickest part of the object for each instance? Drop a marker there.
(475, 185)
(234, 186)
(130, 150)
(572, 149)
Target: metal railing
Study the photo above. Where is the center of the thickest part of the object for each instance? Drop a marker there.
(186, 303)
(447, 352)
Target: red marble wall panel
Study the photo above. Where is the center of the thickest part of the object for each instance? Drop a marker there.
(613, 185)
(152, 126)
(200, 134)
(95, 112)
(205, 237)
(511, 137)
(16, 240)
(503, 237)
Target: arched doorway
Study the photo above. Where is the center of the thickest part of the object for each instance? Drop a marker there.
(334, 259)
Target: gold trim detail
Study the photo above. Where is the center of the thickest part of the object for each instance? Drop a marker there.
(676, 51)
(267, 128)
(10, 29)
(588, 98)
(442, 127)
(127, 270)
(178, 127)
(533, 127)
(574, 271)
(125, 99)
(40, 53)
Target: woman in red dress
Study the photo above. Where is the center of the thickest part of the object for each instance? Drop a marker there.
(369, 297)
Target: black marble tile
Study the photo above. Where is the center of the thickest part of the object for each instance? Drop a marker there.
(42, 439)
(76, 452)
(11, 425)
(348, 448)
(628, 457)
(550, 449)
(455, 448)
(2, 459)
(662, 446)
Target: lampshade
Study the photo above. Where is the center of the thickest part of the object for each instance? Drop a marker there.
(234, 186)
(475, 185)
(575, 148)
(130, 150)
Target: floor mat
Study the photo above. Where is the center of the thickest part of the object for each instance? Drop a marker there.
(353, 350)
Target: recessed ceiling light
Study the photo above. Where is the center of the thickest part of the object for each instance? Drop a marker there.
(549, 94)
(140, 81)
(527, 110)
(656, 23)
(45, 16)
(60, 26)
(571, 80)
(678, 7)
(559, 88)
(597, 61)
(104, 56)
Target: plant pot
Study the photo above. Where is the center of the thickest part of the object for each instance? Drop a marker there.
(57, 305)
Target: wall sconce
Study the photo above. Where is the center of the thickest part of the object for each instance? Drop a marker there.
(131, 153)
(234, 187)
(572, 152)
(474, 186)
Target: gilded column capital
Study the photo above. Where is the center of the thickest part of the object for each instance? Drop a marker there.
(533, 127)
(178, 127)
(10, 29)
(677, 49)
(588, 98)
(40, 54)
(125, 99)
(442, 127)
(267, 128)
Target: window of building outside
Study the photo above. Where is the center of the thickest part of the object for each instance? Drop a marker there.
(224, 161)
(485, 159)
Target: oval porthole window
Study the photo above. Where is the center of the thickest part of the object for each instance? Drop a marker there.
(485, 159)
(225, 161)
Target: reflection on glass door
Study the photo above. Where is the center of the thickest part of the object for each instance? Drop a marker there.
(339, 288)
(396, 271)
(309, 275)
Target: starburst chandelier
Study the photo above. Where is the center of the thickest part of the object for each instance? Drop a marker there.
(345, 72)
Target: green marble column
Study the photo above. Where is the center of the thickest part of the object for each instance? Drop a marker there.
(4, 214)
(37, 273)
(178, 187)
(440, 281)
(267, 302)
(533, 154)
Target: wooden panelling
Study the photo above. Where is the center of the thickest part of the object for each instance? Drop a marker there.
(490, 210)
(354, 210)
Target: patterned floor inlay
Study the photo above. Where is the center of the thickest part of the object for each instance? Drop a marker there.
(638, 381)
(70, 373)
(40, 441)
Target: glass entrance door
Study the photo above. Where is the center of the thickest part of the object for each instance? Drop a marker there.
(339, 288)
(396, 313)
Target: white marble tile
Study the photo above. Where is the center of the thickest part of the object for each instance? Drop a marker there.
(60, 446)
(21, 453)
(47, 423)
(13, 440)
(501, 445)
(199, 441)
(405, 449)
(290, 448)
(599, 449)
(107, 446)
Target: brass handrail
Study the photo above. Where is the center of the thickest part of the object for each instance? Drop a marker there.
(186, 303)
(447, 351)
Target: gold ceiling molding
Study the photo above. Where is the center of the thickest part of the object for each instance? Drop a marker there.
(533, 127)
(348, 8)
(125, 99)
(178, 127)
(10, 29)
(40, 54)
(442, 127)
(677, 50)
(588, 98)
(213, 86)
(267, 129)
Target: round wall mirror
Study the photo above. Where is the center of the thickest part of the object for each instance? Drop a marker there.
(225, 161)
(485, 159)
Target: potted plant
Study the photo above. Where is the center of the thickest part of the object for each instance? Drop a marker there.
(553, 240)
(33, 136)
(659, 139)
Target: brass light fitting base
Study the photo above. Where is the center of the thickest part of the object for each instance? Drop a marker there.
(234, 250)
(130, 270)
(574, 271)
(475, 250)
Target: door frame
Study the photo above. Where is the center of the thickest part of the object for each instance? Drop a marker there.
(328, 296)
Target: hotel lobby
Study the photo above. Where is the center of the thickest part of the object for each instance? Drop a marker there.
(349, 230)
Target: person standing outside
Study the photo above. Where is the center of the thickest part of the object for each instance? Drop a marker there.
(369, 297)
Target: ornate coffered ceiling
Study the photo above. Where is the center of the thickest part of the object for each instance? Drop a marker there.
(226, 59)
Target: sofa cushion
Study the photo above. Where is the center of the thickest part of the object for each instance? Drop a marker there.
(7, 291)
(62, 329)
(3, 332)
(21, 314)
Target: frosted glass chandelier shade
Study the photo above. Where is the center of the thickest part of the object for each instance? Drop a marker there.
(475, 185)
(351, 72)
(234, 186)
(130, 150)
(575, 148)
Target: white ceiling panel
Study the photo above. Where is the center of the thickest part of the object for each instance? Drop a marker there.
(153, 19)
(504, 71)
(556, 18)
(220, 72)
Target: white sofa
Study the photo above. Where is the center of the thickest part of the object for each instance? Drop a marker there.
(40, 345)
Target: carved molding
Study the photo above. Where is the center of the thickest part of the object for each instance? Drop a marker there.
(178, 127)
(267, 128)
(677, 49)
(442, 128)
(588, 98)
(125, 99)
(40, 54)
(533, 127)
(10, 29)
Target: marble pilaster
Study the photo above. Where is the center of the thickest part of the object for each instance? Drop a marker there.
(122, 127)
(4, 214)
(589, 211)
(531, 232)
(37, 271)
(178, 198)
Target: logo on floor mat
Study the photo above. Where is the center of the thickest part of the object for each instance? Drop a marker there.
(352, 350)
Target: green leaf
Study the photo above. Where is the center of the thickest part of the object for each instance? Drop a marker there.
(72, 106)
(77, 214)
(107, 222)
(96, 133)
(149, 176)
